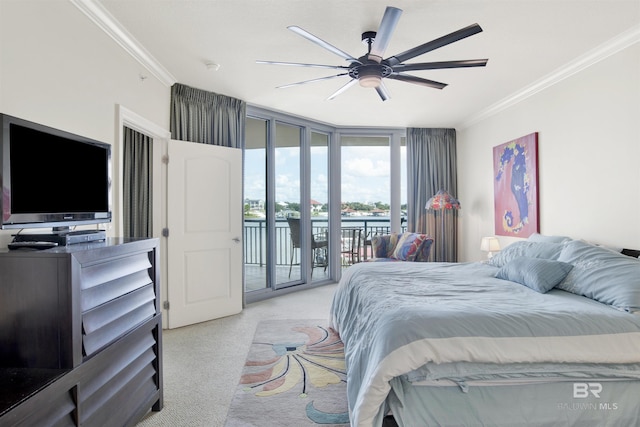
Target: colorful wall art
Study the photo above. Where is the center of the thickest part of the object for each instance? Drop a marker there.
(515, 166)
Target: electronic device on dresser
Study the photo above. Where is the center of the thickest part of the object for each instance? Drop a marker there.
(52, 178)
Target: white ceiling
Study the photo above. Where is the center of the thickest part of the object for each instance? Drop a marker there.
(525, 41)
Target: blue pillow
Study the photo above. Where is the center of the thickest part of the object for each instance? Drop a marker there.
(539, 274)
(537, 237)
(602, 275)
(526, 248)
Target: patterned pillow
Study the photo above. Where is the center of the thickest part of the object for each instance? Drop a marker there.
(383, 245)
(383, 260)
(409, 246)
(424, 250)
(539, 274)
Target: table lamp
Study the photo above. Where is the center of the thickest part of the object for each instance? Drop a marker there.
(490, 245)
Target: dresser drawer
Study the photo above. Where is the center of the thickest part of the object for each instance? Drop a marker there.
(113, 269)
(107, 322)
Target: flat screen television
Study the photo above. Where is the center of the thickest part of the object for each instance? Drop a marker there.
(52, 178)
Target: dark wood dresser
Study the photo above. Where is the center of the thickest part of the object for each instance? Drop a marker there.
(80, 334)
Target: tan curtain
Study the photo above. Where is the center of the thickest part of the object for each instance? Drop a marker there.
(431, 166)
(442, 225)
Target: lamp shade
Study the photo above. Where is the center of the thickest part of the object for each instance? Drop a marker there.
(370, 81)
(442, 200)
(490, 244)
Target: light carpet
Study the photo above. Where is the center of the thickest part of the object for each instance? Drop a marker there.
(294, 375)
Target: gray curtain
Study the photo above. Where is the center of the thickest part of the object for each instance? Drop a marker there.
(431, 166)
(137, 173)
(207, 117)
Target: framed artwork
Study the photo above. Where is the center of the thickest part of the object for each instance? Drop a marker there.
(515, 185)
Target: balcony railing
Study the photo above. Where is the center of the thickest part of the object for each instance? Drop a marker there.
(255, 236)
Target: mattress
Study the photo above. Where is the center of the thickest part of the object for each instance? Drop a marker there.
(415, 330)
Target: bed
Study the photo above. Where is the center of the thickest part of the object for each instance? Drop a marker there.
(546, 333)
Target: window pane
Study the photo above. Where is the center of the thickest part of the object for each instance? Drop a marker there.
(255, 192)
(287, 203)
(319, 173)
(403, 182)
(365, 188)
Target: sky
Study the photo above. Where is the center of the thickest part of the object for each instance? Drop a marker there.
(365, 174)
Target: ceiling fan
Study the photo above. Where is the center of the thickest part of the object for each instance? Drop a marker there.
(370, 69)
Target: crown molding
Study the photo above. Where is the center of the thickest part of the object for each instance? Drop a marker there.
(107, 23)
(615, 45)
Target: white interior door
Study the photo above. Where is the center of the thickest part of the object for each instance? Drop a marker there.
(204, 218)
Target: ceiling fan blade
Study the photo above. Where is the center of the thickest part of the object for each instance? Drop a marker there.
(311, 81)
(307, 35)
(299, 64)
(417, 80)
(382, 91)
(438, 65)
(383, 35)
(343, 88)
(434, 44)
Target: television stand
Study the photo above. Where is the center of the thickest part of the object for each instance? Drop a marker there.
(81, 335)
(63, 237)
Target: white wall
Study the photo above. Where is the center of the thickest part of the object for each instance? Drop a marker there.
(588, 157)
(59, 69)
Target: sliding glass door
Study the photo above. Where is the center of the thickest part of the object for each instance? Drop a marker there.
(255, 205)
(286, 172)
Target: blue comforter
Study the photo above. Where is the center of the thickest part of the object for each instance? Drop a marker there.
(423, 320)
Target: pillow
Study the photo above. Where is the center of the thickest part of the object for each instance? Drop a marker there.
(408, 246)
(383, 260)
(383, 245)
(539, 274)
(537, 237)
(602, 275)
(526, 248)
(611, 248)
(424, 250)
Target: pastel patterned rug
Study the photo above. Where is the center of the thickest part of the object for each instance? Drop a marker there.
(294, 376)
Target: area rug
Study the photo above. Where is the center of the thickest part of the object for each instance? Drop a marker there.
(294, 376)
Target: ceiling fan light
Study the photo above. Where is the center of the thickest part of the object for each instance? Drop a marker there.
(370, 81)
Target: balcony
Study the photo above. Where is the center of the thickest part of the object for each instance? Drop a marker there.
(255, 241)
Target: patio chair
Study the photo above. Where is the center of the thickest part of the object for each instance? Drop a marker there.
(319, 245)
(351, 244)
